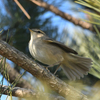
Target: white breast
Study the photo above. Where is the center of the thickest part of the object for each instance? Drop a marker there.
(44, 53)
(32, 48)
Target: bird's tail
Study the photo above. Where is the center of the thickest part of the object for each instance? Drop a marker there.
(76, 66)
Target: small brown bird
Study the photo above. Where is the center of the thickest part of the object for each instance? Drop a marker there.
(51, 52)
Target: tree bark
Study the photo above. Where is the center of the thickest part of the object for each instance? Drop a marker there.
(40, 72)
(12, 75)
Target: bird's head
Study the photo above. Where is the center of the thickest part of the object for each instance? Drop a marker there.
(35, 33)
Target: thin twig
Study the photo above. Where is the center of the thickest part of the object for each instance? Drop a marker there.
(24, 11)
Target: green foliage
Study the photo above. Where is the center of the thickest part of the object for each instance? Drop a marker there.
(90, 47)
(91, 44)
(94, 5)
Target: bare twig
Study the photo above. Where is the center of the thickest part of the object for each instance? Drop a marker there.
(40, 72)
(24, 11)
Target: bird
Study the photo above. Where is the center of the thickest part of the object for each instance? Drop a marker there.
(52, 52)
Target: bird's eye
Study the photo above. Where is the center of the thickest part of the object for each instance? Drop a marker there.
(38, 31)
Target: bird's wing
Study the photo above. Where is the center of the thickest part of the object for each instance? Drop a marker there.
(60, 45)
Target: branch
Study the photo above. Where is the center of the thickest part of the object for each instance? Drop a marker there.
(40, 72)
(13, 75)
(66, 16)
(23, 10)
(27, 93)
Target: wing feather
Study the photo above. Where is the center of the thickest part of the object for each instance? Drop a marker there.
(60, 45)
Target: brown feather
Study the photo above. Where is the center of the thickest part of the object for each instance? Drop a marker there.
(60, 45)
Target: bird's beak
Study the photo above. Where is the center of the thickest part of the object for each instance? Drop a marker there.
(30, 30)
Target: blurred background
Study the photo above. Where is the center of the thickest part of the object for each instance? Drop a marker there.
(14, 29)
